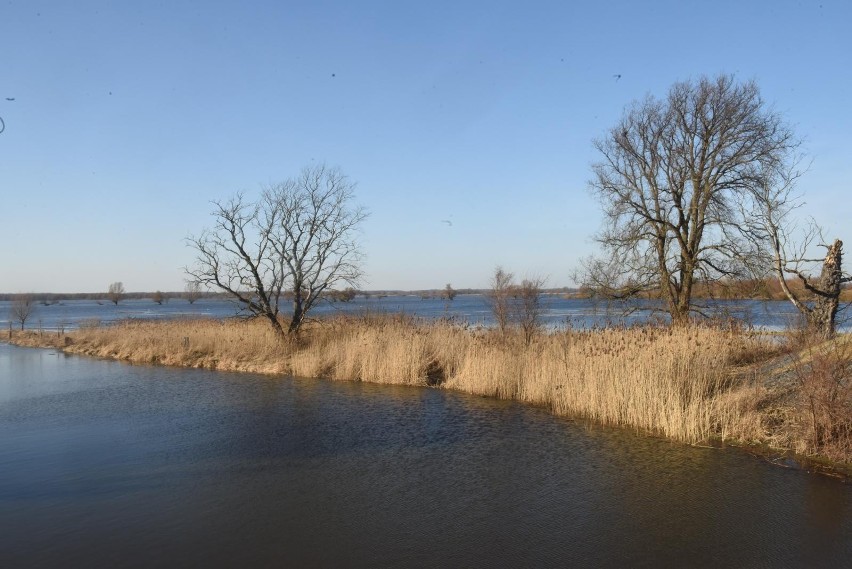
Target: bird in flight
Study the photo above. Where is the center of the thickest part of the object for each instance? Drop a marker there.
(448, 222)
(10, 98)
(617, 76)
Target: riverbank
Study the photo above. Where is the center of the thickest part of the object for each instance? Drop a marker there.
(694, 385)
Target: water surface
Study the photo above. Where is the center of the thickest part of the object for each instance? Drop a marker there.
(103, 464)
(557, 312)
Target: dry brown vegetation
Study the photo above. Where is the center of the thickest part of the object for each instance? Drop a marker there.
(823, 376)
(690, 384)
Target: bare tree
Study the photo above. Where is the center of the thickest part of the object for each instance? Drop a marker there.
(785, 250)
(448, 293)
(192, 291)
(315, 237)
(671, 173)
(22, 308)
(237, 256)
(300, 237)
(527, 307)
(159, 297)
(499, 297)
(115, 292)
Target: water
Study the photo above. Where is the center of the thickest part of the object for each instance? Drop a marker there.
(558, 312)
(103, 464)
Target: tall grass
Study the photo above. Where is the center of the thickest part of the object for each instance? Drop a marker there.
(676, 382)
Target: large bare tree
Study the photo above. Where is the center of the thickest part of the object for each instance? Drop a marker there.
(316, 235)
(300, 237)
(237, 256)
(670, 176)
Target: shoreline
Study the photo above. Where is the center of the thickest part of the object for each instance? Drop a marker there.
(701, 386)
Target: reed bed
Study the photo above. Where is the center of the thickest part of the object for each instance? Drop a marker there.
(680, 383)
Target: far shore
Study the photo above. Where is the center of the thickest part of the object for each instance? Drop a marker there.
(696, 384)
(767, 290)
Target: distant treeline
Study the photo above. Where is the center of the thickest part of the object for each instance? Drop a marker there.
(768, 289)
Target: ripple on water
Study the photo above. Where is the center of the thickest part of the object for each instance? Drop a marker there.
(103, 463)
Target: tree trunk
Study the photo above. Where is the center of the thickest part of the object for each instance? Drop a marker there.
(298, 314)
(821, 317)
(276, 326)
(679, 307)
(680, 316)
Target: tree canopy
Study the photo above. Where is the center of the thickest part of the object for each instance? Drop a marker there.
(299, 237)
(669, 179)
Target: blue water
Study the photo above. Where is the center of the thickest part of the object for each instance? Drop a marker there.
(558, 311)
(104, 464)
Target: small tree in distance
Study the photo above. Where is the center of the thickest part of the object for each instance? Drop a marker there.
(449, 292)
(516, 305)
(22, 308)
(528, 307)
(159, 297)
(115, 292)
(499, 297)
(192, 291)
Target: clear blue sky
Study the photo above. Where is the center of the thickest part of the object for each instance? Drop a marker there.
(128, 117)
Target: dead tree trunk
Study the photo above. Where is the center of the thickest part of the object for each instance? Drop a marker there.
(821, 318)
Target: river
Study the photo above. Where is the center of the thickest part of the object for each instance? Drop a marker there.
(103, 464)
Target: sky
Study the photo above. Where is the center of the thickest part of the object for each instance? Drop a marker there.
(128, 118)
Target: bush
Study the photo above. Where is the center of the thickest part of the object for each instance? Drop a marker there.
(824, 374)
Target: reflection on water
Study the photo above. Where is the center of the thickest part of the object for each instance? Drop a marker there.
(104, 464)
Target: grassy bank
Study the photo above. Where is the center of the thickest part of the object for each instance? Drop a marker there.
(689, 384)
